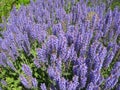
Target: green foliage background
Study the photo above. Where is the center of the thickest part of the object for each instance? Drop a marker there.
(7, 5)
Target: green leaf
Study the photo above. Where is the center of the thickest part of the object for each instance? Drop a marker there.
(19, 88)
(33, 52)
(9, 80)
(36, 74)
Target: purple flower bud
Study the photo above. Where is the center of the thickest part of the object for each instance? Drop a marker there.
(59, 64)
(75, 82)
(62, 46)
(62, 84)
(42, 53)
(34, 82)
(56, 29)
(70, 35)
(4, 82)
(90, 86)
(26, 44)
(14, 52)
(26, 69)
(37, 63)
(100, 80)
(70, 86)
(43, 86)
(110, 82)
(24, 81)
(108, 59)
(74, 14)
(102, 54)
(10, 64)
(53, 73)
(81, 71)
(3, 59)
(116, 69)
(93, 48)
(94, 77)
(53, 57)
(60, 14)
(52, 44)
(4, 45)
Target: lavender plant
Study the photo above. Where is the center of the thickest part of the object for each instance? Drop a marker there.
(60, 45)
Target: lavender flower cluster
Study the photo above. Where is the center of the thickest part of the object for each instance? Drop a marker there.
(76, 42)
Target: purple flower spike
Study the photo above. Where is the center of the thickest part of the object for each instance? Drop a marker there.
(26, 69)
(25, 82)
(43, 86)
(34, 82)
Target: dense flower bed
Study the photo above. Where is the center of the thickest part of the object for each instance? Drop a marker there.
(60, 45)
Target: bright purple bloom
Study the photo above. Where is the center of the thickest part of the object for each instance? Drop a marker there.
(53, 73)
(43, 86)
(62, 84)
(10, 64)
(37, 63)
(25, 82)
(110, 82)
(34, 82)
(26, 69)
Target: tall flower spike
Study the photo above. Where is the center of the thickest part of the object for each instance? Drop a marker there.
(110, 82)
(37, 63)
(42, 53)
(62, 84)
(34, 82)
(94, 77)
(24, 81)
(116, 69)
(26, 69)
(4, 45)
(52, 44)
(81, 71)
(75, 81)
(43, 86)
(108, 59)
(90, 86)
(3, 59)
(10, 64)
(100, 80)
(59, 64)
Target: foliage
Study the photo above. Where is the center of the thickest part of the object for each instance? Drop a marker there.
(7, 5)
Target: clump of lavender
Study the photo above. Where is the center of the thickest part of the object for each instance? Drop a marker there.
(61, 45)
